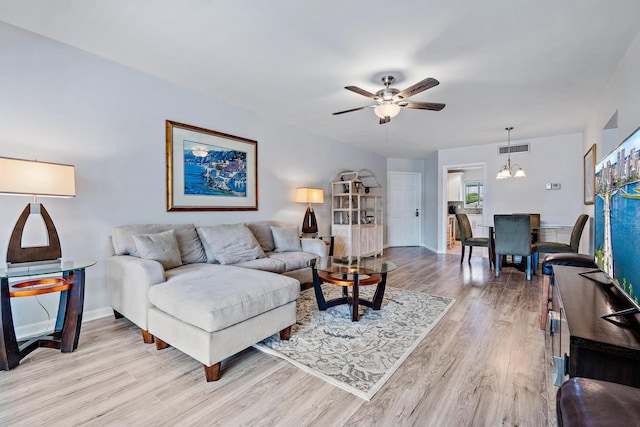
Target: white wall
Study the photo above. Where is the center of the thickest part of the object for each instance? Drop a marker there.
(622, 95)
(432, 203)
(405, 165)
(556, 159)
(61, 104)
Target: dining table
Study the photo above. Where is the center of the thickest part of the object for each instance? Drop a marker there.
(536, 233)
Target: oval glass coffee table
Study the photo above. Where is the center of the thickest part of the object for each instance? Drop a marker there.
(350, 273)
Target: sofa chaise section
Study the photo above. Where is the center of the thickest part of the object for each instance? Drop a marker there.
(211, 312)
(209, 291)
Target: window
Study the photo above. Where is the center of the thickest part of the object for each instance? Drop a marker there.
(473, 194)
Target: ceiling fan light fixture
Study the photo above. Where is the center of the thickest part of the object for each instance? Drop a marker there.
(387, 109)
(389, 101)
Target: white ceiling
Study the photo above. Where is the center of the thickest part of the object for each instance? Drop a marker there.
(536, 65)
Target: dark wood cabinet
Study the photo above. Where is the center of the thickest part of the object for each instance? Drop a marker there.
(588, 345)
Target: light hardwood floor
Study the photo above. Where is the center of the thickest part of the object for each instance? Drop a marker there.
(483, 365)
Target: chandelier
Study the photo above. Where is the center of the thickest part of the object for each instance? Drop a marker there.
(507, 171)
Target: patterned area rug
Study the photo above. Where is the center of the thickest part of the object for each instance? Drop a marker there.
(358, 356)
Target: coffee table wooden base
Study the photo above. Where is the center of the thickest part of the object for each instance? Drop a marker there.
(347, 280)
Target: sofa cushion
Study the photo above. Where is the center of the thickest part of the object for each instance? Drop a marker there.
(210, 258)
(191, 249)
(286, 239)
(265, 264)
(293, 260)
(231, 243)
(262, 232)
(214, 297)
(161, 247)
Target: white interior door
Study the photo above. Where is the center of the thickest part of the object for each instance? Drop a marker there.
(404, 198)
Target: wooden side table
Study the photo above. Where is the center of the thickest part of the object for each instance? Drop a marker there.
(329, 241)
(66, 333)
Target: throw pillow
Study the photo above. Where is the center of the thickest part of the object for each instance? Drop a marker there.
(262, 232)
(286, 239)
(231, 243)
(161, 247)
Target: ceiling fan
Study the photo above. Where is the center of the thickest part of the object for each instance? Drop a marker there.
(389, 100)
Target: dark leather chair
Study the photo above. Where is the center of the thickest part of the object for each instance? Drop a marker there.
(513, 237)
(574, 241)
(466, 236)
(588, 402)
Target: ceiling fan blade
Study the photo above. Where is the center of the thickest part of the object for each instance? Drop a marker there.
(353, 109)
(425, 84)
(433, 106)
(361, 92)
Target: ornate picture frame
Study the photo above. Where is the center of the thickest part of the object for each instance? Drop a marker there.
(590, 176)
(209, 170)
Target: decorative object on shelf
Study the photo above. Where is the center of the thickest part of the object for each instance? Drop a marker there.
(506, 171)
(357, 214)
(590, 176)
(209, 170)
(389, 100)
(36, 179)
(309, 195)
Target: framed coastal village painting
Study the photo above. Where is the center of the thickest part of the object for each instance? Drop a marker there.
(209, 170)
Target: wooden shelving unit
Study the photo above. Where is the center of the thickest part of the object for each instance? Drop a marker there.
(357, 214)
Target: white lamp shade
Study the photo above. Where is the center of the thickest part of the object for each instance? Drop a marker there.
(28, 177)
(309, 195)
(387, 109)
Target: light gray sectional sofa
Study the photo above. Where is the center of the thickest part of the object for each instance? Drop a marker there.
(209, 291)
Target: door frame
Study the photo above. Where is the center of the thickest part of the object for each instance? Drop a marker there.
(442, 237)
(420, 204)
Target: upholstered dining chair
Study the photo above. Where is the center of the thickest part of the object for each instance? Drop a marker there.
(535, 226)
(513, 237)
(466, 236)
(574, 241)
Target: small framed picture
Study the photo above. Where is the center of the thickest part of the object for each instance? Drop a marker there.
(590, 176)
(209, 170)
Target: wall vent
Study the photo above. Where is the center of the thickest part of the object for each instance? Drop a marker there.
(518, 148)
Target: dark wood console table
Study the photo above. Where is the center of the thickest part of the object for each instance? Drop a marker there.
(69, 281)
(593, 347)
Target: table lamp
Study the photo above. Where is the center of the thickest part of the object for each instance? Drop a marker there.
(36, 179)
(308, 196)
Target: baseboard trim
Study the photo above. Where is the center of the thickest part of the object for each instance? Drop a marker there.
(39, 328)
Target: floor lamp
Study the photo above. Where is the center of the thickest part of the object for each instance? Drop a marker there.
(309, 196)
(36, 179)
